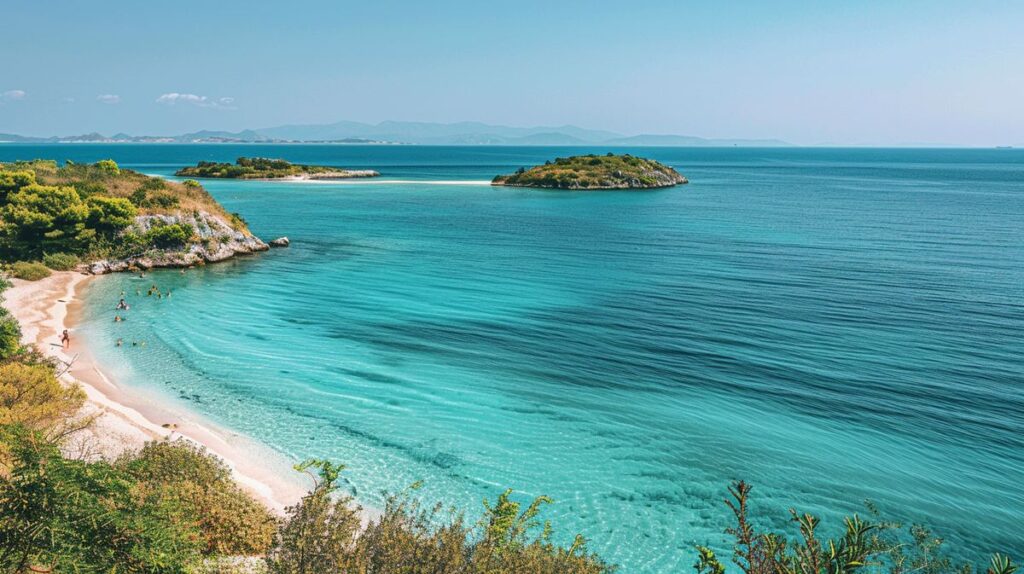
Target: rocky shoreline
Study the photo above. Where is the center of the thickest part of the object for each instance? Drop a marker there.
(217, 241)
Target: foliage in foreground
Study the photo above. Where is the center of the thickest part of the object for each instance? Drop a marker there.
(863, 545)
(184, 475)
(322, 534)
(61, 515)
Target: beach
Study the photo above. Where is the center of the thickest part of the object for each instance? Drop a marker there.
(126, 420)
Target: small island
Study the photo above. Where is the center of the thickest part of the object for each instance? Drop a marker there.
(264, 168)
(585, 172)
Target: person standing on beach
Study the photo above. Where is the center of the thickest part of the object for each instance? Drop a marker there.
(65, 339)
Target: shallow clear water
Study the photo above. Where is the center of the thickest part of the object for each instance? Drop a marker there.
(831, 325)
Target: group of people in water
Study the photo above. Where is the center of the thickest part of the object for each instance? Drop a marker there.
(122, 305)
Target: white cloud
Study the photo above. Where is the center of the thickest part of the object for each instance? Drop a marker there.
(109, 98)
(174, 98)
(13, 95)
(69, 100)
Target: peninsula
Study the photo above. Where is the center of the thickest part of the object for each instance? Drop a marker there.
(586, 172)
(101, 218)
(264, 168)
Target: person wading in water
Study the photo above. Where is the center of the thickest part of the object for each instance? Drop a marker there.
(65, 339)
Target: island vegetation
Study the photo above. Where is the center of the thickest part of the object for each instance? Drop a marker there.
(57, 217)
(264, 168)
(585, 172)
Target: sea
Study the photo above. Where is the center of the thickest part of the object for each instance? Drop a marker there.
(841, 328)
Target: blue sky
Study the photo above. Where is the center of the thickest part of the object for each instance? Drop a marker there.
(865, 72)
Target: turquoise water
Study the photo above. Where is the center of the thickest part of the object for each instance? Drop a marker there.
(831, 325)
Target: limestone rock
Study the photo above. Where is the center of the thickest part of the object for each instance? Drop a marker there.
(215, 241)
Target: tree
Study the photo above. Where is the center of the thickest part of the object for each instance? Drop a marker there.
(10, 335)
(41, 218)
(12, 181)
(109, 215)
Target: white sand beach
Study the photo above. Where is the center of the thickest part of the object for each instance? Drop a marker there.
(127, 419)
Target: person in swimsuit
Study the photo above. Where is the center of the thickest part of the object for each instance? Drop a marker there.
(121, 304)
(65, 339)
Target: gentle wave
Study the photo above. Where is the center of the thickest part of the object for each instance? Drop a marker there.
(832, 325)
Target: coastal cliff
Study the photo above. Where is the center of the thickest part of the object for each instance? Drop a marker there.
(99, 218)
(213, 240)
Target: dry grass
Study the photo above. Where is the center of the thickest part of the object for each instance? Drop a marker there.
(124, 183)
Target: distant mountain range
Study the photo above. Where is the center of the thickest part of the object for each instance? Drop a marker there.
(422, 133)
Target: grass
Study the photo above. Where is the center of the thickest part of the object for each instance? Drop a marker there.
(29, 270)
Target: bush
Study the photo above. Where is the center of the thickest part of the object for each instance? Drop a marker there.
(31, 395)
(29, 270)
(108, 166)
(169, 236)
(64, 515)
(87, 189)
(60, 261)
(154, 193)
(323, 534)
(882, 545)
(108, 215)
(10, 335)
(185, 475)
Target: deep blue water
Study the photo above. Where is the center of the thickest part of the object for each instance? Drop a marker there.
(833, 325)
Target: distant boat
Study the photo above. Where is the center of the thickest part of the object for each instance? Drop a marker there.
(1004, 147)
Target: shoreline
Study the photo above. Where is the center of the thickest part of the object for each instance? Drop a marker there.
(127, 418)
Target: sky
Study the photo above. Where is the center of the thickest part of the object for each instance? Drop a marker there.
(822, 72)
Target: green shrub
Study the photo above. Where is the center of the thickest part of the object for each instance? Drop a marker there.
(65, 515)
(108, 166)
(31, 395)
(10, 335)
(323, 533)
(169, 236)
(862, 546)
(185, 475)
(87, 189)
(29, 270)
(60, 261)
(153, 193)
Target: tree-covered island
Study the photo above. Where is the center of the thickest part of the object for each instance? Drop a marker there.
(264, 168)
(595, 172)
